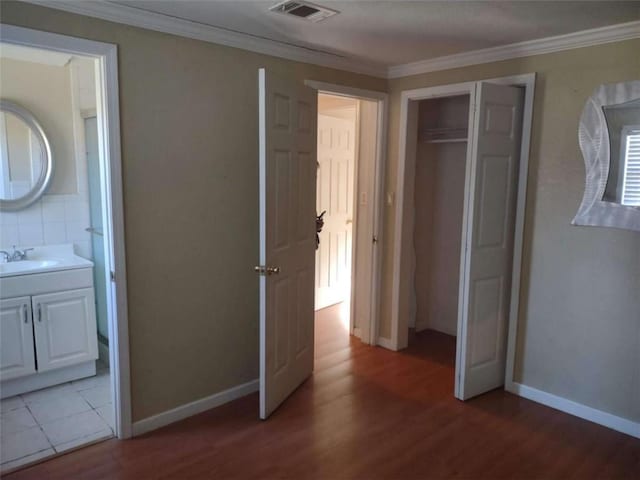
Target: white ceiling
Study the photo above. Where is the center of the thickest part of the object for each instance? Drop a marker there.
(397, 32)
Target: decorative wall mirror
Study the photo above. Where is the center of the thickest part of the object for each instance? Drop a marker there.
(609, 136)
(26, 164)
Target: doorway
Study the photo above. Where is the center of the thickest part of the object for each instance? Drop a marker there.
(288, 166)
(459, 217)
(86, 377)
(346, 200)
(438, 185)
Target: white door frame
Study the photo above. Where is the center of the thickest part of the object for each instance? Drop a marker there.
(399, 325)
(108, 114)
(382, 99)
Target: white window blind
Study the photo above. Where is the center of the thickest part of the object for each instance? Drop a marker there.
(631, 179)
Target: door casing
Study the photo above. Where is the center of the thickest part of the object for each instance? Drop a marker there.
(382, 100)
(399, 323)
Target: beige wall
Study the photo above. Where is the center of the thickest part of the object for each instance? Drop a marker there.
(45, 91)
(189, 127)
(579, 320)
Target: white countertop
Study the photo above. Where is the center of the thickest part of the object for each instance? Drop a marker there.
(49, 258)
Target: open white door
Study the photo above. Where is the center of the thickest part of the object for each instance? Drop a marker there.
(489, 226)
(336, 171)
(287, 137)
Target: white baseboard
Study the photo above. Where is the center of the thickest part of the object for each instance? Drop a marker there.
(189, 409)
(386, 343)
(579, 410)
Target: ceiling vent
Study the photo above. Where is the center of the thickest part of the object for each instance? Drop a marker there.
(305, 10)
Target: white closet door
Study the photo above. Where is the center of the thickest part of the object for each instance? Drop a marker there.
(17, 356)
(336, 169)
(489, 219)
(287, 131)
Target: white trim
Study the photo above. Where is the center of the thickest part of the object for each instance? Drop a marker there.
(577, 409)
(108, 108)
(356, 331)
(386, 343)
(193, 408)
(527, 81)
(139, 17)
(382, 99)
(584, 38)
(346, 91)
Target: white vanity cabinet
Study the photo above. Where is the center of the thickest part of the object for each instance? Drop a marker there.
(17, 354)
(48, 330)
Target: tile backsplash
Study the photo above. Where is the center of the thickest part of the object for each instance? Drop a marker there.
(54, 219)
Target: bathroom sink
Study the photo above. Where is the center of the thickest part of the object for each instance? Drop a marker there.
(45, 259)
(26, 265)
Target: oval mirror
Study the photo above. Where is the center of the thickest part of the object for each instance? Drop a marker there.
(26, 164)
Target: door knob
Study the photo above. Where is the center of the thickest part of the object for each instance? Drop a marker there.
(349, 220)
(262, 270)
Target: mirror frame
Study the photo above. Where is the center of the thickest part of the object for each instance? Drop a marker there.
(46, 175)
(593, 136)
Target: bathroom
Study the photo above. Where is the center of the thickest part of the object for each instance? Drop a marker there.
(55, 381)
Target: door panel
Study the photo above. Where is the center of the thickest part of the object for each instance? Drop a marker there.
(17, 356)
(288, 113)
(490, 218)
(336, 171)
(65, 328)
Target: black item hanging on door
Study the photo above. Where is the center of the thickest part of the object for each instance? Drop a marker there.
(319, 225)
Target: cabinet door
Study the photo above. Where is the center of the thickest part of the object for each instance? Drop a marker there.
(65, 328)
(17, 356)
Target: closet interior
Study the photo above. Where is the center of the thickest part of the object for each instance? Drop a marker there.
(441, 154)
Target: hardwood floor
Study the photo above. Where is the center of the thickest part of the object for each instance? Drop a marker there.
(366, 413)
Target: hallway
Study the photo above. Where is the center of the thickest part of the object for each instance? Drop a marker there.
(366, 413)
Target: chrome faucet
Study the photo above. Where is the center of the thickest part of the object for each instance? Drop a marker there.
(16, 256)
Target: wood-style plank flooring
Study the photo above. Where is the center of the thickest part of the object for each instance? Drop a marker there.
(366, 413)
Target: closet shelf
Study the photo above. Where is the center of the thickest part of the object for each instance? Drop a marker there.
(443, 135)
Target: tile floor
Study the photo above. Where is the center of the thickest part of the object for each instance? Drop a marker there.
(39, 424)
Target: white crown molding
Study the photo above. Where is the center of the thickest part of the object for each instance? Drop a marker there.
(585, 38)
(164, 23)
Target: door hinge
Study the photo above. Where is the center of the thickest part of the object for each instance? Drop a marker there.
(375, 239)
(112, 275)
